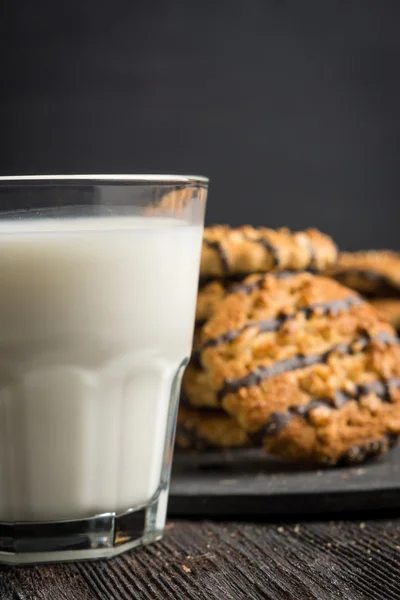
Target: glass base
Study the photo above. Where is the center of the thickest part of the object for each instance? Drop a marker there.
(102, 536)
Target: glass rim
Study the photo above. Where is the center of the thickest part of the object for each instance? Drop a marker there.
(106, 179)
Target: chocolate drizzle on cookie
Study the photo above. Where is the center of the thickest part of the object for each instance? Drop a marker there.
(300, 361)
(235, 284)
(384, 286)
(271, 250)
(267, 325)
(277, 422)
(219, 249)
(313, 257)
(188, 437)
(274, 252)
(370, 449)
(248, 288)
(274, 425)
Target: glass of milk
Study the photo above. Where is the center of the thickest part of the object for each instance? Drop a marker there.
(98, 281)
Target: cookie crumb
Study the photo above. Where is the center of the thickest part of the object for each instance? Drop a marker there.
(186, 569)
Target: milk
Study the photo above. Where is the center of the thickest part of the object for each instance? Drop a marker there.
(96, 317)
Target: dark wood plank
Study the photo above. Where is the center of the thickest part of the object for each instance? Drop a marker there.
(247, 483)
(336, 560)
(50, 582)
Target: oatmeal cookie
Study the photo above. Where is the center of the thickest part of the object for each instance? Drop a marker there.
(231, 252)
(203, 429)
(211, 292)
(304, 365)
(372, 273)
(208, 297)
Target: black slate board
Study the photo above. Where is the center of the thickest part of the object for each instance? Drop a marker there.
(247, 483)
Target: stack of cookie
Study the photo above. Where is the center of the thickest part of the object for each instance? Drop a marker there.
(286, 358)
(376, 275)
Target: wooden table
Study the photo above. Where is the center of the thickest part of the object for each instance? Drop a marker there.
(325, 560)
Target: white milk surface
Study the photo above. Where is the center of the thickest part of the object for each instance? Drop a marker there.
(96, 315)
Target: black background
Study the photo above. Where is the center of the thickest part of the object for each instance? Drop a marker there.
(291, 107)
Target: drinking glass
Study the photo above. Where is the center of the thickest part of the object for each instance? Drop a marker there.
(98, 279)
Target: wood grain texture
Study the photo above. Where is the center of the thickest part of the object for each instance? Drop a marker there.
(336, 560)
